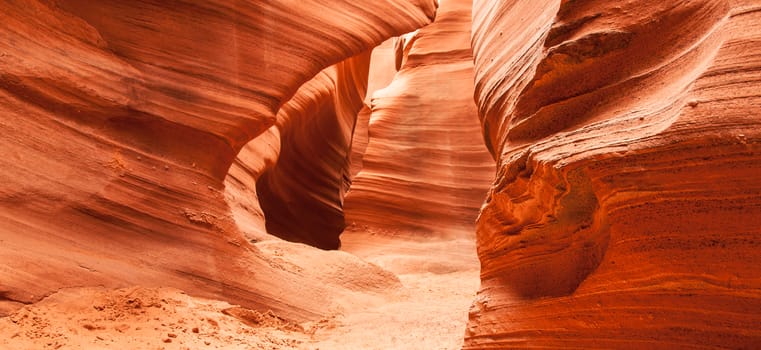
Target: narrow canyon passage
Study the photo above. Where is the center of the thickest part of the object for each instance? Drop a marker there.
(380, 174)
(424, 173)
(420, 171)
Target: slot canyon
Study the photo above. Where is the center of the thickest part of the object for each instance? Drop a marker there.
(388, 174)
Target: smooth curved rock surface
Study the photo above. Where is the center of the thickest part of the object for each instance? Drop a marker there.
(121, 119)
(303, 189)
(425, 169)
(302, 193)
(626, 209)
(253, 159)
(382, 72)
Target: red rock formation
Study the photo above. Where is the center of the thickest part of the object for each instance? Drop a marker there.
(318, 122)
(625, 213)
(626, 209)
(121, 119)
(240, 183)
(425, 168)
(302, 194)
(324, 136)
(382, 72)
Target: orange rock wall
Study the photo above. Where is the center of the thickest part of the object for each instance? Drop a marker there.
(303, 189)
(382, 72)
(121, 119)
(626, 212)
(425, 169)
(302, 194)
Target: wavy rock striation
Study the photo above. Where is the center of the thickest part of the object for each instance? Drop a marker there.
(302, 194)
(382, 72)
(425, 169)
(324, 131)
(626, 209)
(121, 119)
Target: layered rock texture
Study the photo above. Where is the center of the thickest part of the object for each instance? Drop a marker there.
(425, 169)
(302, 182)
(626, 212)
(301, 168)
(121, 119)
(152, 144)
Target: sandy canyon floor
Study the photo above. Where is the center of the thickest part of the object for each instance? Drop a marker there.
(439, 279)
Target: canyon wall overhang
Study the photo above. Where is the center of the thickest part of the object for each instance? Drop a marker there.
(120, 120)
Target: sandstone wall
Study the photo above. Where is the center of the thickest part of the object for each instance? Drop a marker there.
(626, 210)
(425, 169)
(120, 121)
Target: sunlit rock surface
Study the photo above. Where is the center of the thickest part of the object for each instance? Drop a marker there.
(425, 168)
